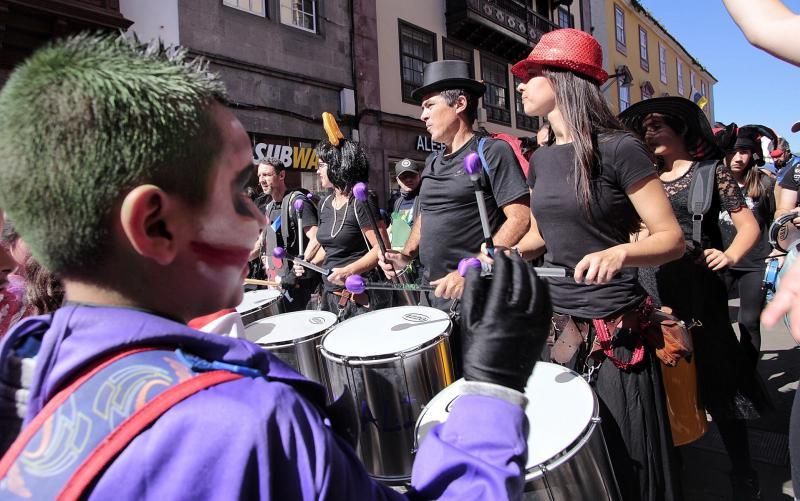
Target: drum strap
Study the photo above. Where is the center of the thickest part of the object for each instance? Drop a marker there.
(88, 423)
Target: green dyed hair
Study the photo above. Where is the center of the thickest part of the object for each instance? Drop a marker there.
(85, 120)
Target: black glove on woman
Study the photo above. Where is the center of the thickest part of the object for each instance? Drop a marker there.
(505, 320)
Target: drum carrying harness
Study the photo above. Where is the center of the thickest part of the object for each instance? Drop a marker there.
(83, 428)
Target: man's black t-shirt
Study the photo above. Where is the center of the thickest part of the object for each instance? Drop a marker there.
(451, 226)
(570, 233)
(340, 232)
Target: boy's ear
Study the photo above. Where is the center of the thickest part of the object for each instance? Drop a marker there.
(149, 220)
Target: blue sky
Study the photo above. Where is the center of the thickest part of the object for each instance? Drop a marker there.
(753, 86)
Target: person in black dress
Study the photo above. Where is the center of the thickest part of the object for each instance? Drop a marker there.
(679, 135)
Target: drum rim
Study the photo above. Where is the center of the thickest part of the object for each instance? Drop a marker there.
(556, 459)
(387, 356)
(293, 341)
(260, 306)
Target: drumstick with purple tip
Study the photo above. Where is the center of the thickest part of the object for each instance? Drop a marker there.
(472, 166)
(361, 193)
(357, 284)
(280, 253)
(298, 207)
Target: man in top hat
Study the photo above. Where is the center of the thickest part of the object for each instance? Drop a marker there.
(448, 227)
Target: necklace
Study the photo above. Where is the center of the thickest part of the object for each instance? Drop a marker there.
(334, 231)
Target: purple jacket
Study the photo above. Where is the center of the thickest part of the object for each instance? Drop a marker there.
(258, 438)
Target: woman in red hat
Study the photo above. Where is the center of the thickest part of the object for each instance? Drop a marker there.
(678, 133)
(591, 186)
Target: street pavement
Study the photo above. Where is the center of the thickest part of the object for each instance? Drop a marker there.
(705, 463)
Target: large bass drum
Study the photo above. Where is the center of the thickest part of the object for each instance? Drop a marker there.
(567, 455)
(393, 361)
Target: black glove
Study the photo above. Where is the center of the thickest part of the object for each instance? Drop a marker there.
(505, 320)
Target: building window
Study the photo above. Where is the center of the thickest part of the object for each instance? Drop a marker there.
(252, 6)
(619, 23)
(644, 60)
(495, 100)
(523, 121)
(452, 50)
(662, 62)
(565, 19)
(417, 48)
(301, 14)
(647, 91)
(679, 68)
(624, 96)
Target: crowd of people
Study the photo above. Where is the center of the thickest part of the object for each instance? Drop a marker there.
(105, 260)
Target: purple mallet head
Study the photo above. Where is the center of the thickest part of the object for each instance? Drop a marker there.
(310, 196)
(468, 262)
(472, 164)
(360, 192)
(355, 284)
(279, 253)
(299, 204)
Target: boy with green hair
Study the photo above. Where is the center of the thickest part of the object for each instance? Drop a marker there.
(126, 174)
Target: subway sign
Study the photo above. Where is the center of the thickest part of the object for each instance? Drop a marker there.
(294, 154)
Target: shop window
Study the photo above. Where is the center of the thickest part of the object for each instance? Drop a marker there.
(301, 14)
(252, 6)
(495, 100)
(417, 48)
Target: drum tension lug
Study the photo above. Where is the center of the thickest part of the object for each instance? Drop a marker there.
(693, 324)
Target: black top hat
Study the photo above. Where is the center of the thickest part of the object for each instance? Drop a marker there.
(447, 74)
(699, 138)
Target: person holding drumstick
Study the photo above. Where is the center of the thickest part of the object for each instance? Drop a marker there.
(345, 242)
(590, 188)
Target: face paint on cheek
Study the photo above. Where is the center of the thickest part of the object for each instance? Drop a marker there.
(218, 256)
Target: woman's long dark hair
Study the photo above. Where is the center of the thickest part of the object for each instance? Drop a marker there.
(586, 115)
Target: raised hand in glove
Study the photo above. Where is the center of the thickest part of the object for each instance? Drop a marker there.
(505, 320)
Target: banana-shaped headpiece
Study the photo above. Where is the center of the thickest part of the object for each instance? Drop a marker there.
(335, 135)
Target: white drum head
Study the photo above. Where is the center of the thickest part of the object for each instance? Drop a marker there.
(287, 327)
(386, 332)
(560, 408)
(255, 299)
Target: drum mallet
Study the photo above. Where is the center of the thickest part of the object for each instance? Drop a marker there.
(280, 253)
(486, 269)
(298, 207)
(472, 166)
(361, 193)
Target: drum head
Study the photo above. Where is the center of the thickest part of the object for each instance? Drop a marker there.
(254, 300)
(783, 234)
(288, 327)
(560, 408)
(386, 332)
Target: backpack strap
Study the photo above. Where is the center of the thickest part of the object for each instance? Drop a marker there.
(89, 422)
(481, 147)
(701, 193)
